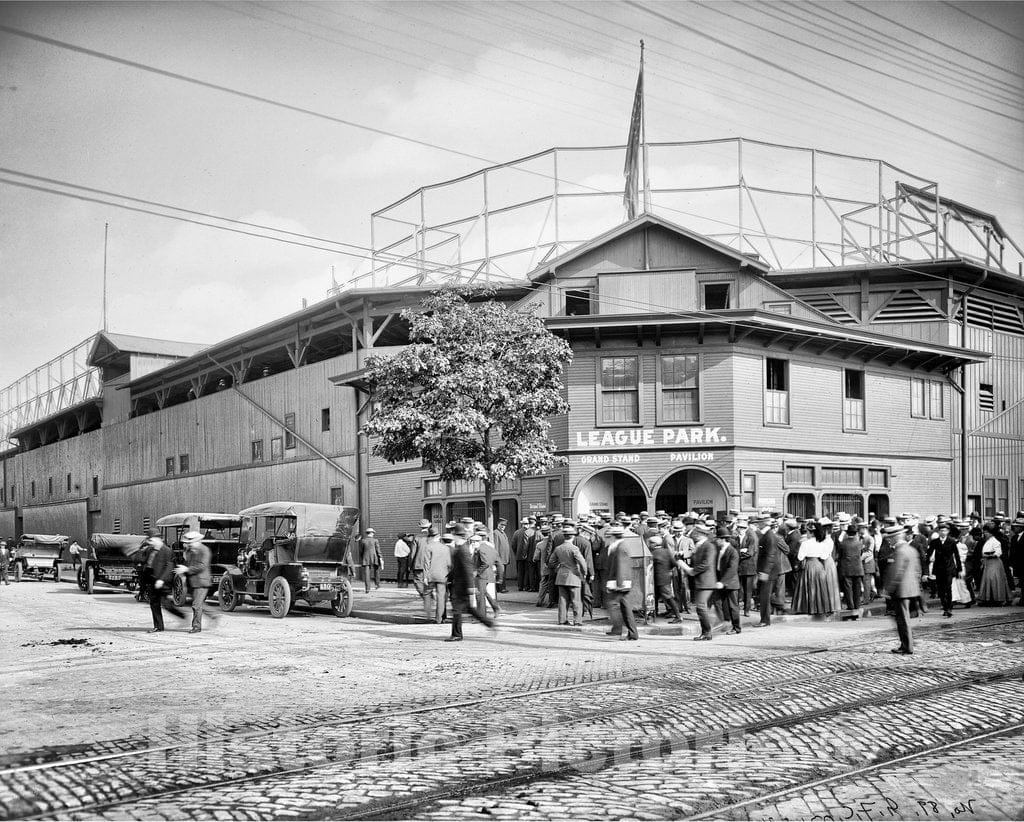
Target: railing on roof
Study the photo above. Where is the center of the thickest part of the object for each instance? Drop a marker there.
(58, 385)
(794, 207)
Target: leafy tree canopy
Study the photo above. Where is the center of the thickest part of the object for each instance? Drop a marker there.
(472, 393)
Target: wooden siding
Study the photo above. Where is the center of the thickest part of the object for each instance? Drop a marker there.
(646, 292)
(80, 456)
(68, 518)
(8, 523)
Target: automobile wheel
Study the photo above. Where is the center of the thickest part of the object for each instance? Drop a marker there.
(279, 597)
(90, 579)
(80, 578)
(179, 595)
(56, 573)
(17, 572)
(341, 605)
(226, 594)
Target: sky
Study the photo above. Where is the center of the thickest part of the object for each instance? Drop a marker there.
(348, 107)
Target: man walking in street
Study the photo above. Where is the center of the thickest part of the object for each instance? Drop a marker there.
(568, 570)
(522, 551)
(850, 568)
(705, 579)
(370, 558)
(902, 585)
(463, 578)
(197, 573)
(485, 558)
(944, 566)
(160, 565)
(437, 563)
(620, 582)
(403, 549)
(728, 585)
(664, 566)
(504, 548)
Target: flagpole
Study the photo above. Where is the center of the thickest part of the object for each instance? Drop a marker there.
(106, 226)
(643, 138)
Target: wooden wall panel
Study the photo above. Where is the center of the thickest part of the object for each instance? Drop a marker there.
(7, 524)
(80, 456)
(68, 518)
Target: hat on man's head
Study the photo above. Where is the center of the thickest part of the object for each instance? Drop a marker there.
(890, 520)
(569, 529)
(467, 520)
(616, 529)
(370, 531)
(892, 530)
(759, 518)
(932, 520)
(424, 523)
(192, 536)
(655, 541)
(974, 515)
(502, 520)
(1018, 521)
(525, 521)
(459, 530)
(824, 521)
(480, 528)
(677, 525)
(722, 532)
(842, 517)
(701, 528)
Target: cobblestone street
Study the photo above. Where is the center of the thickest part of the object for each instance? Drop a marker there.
(318, 717)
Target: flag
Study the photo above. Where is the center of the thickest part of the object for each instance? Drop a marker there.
(631, 171)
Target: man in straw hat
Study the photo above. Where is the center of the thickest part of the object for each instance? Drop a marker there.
(196, 571)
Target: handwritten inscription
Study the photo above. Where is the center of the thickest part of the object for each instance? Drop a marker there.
(885, 808)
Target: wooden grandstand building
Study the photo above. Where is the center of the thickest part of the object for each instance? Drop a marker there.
(708, 374)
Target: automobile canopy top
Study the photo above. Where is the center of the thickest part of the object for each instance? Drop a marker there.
(208, 520)
(115, 545)
(44, 539)
(311, 519)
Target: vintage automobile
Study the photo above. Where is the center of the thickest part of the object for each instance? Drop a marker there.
(115, 559)
(221, 534)
(293, 550)
(39, 555)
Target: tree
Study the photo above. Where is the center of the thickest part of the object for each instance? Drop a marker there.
(472, 393)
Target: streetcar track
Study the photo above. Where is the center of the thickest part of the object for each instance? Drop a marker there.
(397, 709)
(721, 810)
(665, 746)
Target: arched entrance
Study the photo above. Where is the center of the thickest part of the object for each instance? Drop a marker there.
(611, 491)
(692, 489)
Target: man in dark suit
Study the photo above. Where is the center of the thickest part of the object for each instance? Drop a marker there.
(463, 578)
(160, 566)
(485, 559)
(501, 543)
(728, 584)
(664, 566)
(850, 568)
(767, 567)
(568, 569)
(902, 586)
(620, 581)
(944, 566)
(197, 572)
(705, 578)
(1017, 553)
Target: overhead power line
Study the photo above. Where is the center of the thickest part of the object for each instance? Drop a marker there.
(982, 20)
(825, 87)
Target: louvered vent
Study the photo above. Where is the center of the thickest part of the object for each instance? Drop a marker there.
(908, 307)
(828, 305)
(990, 314)
(986, 398)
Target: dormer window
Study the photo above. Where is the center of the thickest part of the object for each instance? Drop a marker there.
(716, 296)
(578, 302)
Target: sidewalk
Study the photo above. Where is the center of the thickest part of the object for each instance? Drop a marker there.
(402, 606)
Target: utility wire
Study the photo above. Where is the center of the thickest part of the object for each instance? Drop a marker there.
(890, 22)
(717, 9)
(1002, 91)
(825, 87)
(982, 20)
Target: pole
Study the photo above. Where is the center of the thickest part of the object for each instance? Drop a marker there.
(643, 137)
(106, 226)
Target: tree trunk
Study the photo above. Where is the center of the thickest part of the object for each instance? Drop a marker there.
(489, 507)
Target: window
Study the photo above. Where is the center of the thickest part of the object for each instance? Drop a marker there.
(49, 486)
(841, 476)
(338, 496)
(95, 486)
(554, 495)
(257, 451)
(476, 486)
(800, 505)
(853, 400)
(169, 466)
(620, 391)
(716, 296)
(878, 505)
(937, 401)
(917, 397)
(748, 486)
(325, 419)
(69, 483)
(680, 392)
(832, 504)
(776, 392)
(578, 302)
(878, 478)
(799, 475)
(779, 308)
(1020, 495)
(276, 448)
(12, 495)
(1002, 495)
(433, 488)
(183, 465)
(289, 433)
(33, 488)
(986, 397)
(988, 487)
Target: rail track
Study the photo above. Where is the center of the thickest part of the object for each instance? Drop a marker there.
(505, 719)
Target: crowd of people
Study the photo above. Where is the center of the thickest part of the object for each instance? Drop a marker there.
(764, 562)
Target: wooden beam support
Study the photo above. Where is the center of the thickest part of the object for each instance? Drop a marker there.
(781, 335)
